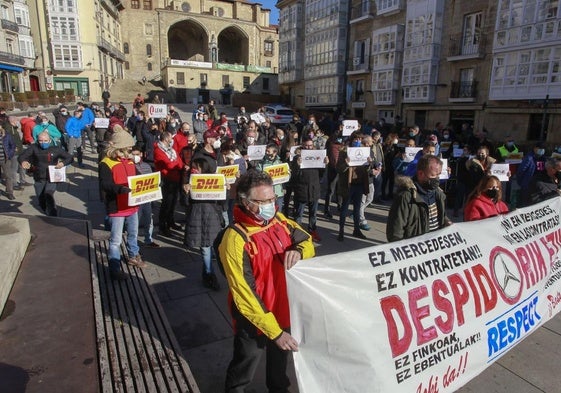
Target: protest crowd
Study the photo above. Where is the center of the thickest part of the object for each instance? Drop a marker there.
(420, 173)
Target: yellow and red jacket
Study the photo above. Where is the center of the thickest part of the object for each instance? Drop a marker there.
(113, 175)
(253, 263)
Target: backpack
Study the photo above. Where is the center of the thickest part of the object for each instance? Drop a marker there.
(216, 243)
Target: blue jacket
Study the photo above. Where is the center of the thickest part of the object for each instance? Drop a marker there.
(9, 146)
(74, 127)
(87, 117)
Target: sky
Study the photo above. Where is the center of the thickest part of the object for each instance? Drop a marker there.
(270, 4)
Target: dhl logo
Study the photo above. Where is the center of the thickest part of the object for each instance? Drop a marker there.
(208, 184)
(230, 172)
(145, 185)
(276, 172)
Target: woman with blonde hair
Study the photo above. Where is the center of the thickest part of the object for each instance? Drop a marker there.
(486, 200)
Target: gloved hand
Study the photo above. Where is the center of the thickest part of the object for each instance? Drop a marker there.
(124, 190)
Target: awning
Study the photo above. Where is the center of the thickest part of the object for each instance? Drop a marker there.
(10, 68)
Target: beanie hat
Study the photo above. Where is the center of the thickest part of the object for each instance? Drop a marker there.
(121, 139)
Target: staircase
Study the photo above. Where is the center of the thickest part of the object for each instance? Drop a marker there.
(125, 90)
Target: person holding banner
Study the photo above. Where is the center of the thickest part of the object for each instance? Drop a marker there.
(420, 206)
(352, 185)
(204, 222)
(272, 158)
(255, 255)
(486, 200)
(114, 171)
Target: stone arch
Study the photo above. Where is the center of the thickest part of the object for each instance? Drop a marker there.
(188, 40)
(233, 46)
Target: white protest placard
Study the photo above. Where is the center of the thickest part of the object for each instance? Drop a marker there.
(57, 175)
(144, 188)
(207, 187)
(411, 152)
(444, 175)
(501, 171)
(157, 111)
(101, 122)
(312, 158)
(293, 151)
(256, 152)
(349, 126)
(358, 155)
(443, 306)
(257, 117)
(280, 173)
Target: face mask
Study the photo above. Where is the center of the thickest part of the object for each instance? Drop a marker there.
(217, 143)
(411, 134)
(270, 157)
(492, 193)
(267, 212)
(395, 141)
(540, 152)
(44, 145)
(481, 157)
(432, 184)
(356, 144)
(136, 159)
(171, 143)
(64, 113)
(250, 139)
(311, 122)
(339, 140)
(45, 122)
(510, 144)
(445, 136)
(281, 137)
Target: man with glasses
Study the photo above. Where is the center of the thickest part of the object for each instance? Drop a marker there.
(255, 252)
(420, 206)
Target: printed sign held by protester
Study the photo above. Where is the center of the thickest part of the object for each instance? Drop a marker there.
(144, 188)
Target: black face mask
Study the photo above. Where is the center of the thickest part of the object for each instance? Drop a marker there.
(481, 157)
(492, 193)
(432, 184)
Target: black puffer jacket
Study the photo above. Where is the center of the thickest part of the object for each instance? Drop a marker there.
(41, 159)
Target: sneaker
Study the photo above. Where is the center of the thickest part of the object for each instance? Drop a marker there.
(211, 281)
(315, 236)
(358, 234)
(340, 237)
(137, 261)
(118, 276)
(365, 227)
(153, 245)
(25, 184)
(17, 187)
(328, 214)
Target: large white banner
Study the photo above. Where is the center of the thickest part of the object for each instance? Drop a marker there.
(425, 314)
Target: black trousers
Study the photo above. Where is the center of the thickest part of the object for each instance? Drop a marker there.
(247, 353)
(45, 192)
(170, 192)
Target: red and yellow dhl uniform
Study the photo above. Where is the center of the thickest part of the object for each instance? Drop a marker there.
(254, 267)
(114, 177)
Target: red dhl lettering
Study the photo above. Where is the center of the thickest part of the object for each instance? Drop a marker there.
(229, 172)
(276, 172)
(208, 184)
(145, 185)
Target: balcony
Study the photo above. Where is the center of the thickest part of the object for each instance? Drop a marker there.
(106, 46)
(463, 91)
(464, 48)
(9, 25)
(113, 7)
(8, 57)
(362, 12)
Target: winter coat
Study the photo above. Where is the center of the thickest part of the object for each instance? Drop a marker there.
(542, 188)
(41, 159)
(305, 182)
(359, 175)
(9, 146)
(482, 207)
(113, 176)
(170, 170)
(409, 213)
(204, 221)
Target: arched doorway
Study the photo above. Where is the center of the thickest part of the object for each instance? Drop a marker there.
(188, 40)
(233, 46)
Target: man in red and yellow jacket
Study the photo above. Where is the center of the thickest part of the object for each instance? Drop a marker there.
(255, 254)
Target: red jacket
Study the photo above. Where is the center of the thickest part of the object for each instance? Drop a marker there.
(170, 170)
(27, 124)
(180, 140)
(483, 207)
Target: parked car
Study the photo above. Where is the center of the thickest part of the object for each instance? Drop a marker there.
(279, 114)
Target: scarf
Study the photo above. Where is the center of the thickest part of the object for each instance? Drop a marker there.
(172, 155)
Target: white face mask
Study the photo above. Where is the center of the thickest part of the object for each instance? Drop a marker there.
(136, 159)
(250, 139)
(217, 143)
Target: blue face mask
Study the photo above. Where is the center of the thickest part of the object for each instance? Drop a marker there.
(267, 212)
(356, 144)
(44, 145)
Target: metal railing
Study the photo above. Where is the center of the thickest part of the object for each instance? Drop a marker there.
(462, 45)
(463, 89)
(11, 58)
(9, 25)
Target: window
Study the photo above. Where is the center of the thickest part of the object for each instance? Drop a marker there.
(246, 82)
(203, 79)
(225, 80)
(180, 76)
(359, 91)
(135, 4)
(64, 28)
(268, 64)
(22, 16)
(148, 30)
(126, 48)
(472, 33)
(146, 4)
(9, 45)
(148, 50)
(67, 55)
(268, 48)
(63, 6)
(26, 47)
(127, 65)
(265, 83)
(385, 6)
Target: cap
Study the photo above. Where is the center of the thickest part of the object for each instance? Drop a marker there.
(211, 134)
(121, 139)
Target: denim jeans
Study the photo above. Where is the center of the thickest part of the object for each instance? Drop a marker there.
(354, 197)
(207, 253)
(145, 221)
(312, 213)
(118, 224)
